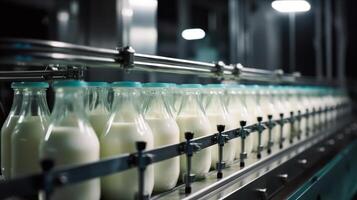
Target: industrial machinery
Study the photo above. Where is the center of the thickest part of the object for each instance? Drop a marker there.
(316, 165)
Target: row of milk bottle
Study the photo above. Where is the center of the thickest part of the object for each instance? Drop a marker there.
(97, 120)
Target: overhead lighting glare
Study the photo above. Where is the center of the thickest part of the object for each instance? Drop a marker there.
(288, 6)
(193, 34)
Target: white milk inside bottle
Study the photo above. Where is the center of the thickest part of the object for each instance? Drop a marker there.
(280, 133)
(157, 114)
(316, 107)
(302, 109)
(70, 139)
(29, 130)
(278, 108)
(98, 106)
(126, 126)
(238, 112)
(8, 127)
(217, 114)
(254, 107)
(191, 118)
(269, 109)
(295, 107)
(250, 104)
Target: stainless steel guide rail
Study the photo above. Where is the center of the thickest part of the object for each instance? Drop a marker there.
(51, 178)
(40, 53)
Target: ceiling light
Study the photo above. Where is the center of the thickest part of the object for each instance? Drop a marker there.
(193, 34)
(288, 6)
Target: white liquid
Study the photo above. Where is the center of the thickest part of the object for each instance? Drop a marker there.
(69, 146)
(238, 112)
(255, 111)
(200, 126)
(165, 132)
(25, 142)
(268, 109)
(6, 133)
(229, 148)
(120, 139)
(98, 122)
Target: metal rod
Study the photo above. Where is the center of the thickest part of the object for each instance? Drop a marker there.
(270, 126)
(281, 137)
(39, 53)
(222, 138)
(260, 131)
(307, 127)
(299, 131)
(292, 127)
(243, 134)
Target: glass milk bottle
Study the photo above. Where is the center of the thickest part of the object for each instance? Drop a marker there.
(217, 114)
(302, 105)
(98, 106)
(314, 97)
(294, 107)
(158, 115)
(170, 91)
(308, 104)
(250, 102)
(8, 127)
(126, 126)
(284, 99)
(29, 130)
(238, 112)
(268, 107)
(281, 109)
(255, 109)
(70, 139)
(192, 118)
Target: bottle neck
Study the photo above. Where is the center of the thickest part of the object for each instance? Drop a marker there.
(215, 102)
(190, 104)
(34, 103)
(17, 102)
(157, 104)
(68, 101)
(126, 100)
(97, 100)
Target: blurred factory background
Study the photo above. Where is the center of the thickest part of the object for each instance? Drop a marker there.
(318, 43)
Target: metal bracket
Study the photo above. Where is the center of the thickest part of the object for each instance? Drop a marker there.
(281, 137)
(260, 128)
(270, 126)
(219, 68)
(299, 131)
(48, 183)
(142, 161)
(243, 134)
(221, 140)
(292, 128)
(307, 127)
(189, 149)
(126, 57)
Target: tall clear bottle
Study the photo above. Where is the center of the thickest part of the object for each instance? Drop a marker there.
(70, 139)
(217, 114)
(237, 111)
(268, 107)
(8, 127)
(98, 112)
(29, 130)
(192, 118)
(255, 109)
(157, 113)
(125, 127)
